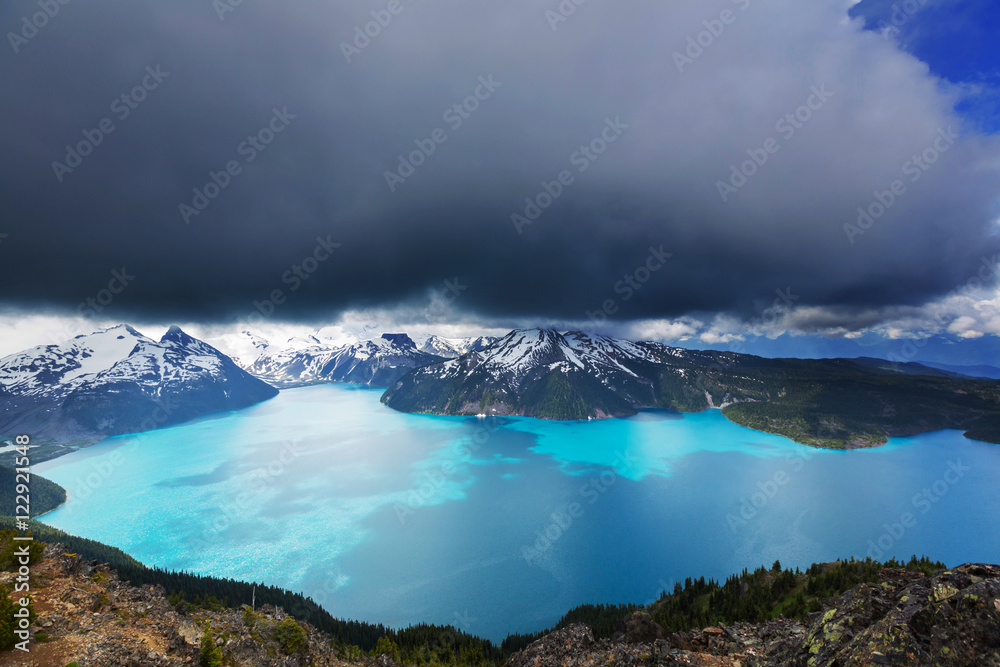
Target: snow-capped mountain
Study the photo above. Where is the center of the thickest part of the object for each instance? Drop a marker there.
(378, 362)
(519, 351)
(119, 381)
(536, 372)
(574, 375)
(455, 347)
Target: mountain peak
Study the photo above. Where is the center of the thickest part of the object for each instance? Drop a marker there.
(176, 334)
(182, 339)
(535, 331)
(400, 340)
(119, 329)
(525, 341)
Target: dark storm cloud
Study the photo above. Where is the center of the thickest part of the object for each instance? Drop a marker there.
(679, 128)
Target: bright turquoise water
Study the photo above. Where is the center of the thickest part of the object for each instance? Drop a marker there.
(395, 518)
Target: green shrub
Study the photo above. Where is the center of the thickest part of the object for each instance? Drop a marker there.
(9, 622)
(290, 637)
(7, 547)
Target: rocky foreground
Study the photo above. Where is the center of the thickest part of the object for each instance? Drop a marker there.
(87, 616)
(907, 618)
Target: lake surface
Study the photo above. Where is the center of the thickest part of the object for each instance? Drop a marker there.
(502, 525)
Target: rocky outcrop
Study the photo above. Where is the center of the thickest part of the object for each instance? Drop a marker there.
(735, 646)
(575, 646)
(905, 619)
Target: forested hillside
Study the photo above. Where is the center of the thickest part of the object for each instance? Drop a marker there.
(45, 495)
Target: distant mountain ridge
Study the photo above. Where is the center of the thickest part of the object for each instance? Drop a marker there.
(118, 381)
(977, 371)
(456, 347)
(827, 402)
(378, 362)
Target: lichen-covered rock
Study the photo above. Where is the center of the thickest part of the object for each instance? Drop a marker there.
(950, 618)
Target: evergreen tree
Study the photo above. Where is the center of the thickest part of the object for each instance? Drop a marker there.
(211, 655)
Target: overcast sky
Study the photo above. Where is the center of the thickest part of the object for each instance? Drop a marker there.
(651, 112)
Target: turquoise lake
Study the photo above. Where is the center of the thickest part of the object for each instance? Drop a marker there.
(502, 525)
